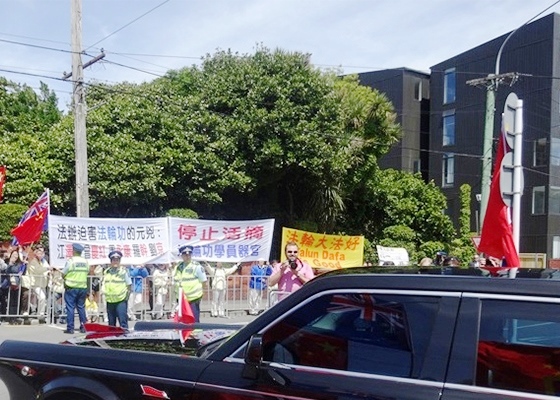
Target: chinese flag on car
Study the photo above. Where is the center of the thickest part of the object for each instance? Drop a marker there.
(33, 221)
(496, 238)
(184, 314)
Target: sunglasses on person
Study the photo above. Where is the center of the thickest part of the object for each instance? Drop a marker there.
(291, 251)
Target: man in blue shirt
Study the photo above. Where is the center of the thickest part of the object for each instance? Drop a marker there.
(257, 284)
(137, 273)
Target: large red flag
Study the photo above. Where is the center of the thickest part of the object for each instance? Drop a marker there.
(33, 221)
(496, 238)
(184, 314)
(2, 181)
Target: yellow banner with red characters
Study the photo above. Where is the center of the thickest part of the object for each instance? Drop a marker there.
(325, 251)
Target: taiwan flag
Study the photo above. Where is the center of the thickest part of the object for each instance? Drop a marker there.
(33, 222)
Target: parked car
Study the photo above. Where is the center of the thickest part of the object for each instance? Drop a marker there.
(350, 334)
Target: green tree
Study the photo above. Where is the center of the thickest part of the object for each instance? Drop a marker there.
(10, 214)
(25, 120)
(462, 246)
(241, 136)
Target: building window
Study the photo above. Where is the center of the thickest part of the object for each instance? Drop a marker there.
(556, 247)
(449, 83)
(448, 170)
(416, 166)
(418, 90)
(539, 152)
(555, 152)
(538, 200)
(554, 200)
(449, 128)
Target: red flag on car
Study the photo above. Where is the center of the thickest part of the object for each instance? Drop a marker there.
(496, 238)
(2, 181)
(184, 314)
(33, 222)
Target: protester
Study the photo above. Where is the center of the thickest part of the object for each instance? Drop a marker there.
(4, 285)
(475, 263)
(75, 274)
(257, 284)
(440, 256)
(94, 281)
(190, 276)
(116, 288)
(92, 309)
(56, 292)
(38, 270)
(160, 285)
(292, 273)
(15, 265)
(219, 276)
(137, 273)
(24, 286)
(426, 262)
(451, 261)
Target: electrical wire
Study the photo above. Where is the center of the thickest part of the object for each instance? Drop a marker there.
(130, 23)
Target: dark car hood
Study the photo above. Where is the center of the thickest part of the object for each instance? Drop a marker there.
(172, 338)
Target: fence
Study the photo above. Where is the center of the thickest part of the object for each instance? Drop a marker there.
(19, 304)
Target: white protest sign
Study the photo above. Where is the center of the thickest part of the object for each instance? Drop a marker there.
(396, 255)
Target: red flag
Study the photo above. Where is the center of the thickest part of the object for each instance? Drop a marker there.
(33, 221)
(184, 314)
(2, 181)
(99, 331)
(496, 238)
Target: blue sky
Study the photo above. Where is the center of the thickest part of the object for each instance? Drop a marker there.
(149, 37)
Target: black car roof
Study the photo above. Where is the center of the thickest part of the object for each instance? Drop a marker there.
(541, 282)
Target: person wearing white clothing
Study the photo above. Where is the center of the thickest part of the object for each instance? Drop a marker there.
(160, 279)
(219, 276)
(38, 271)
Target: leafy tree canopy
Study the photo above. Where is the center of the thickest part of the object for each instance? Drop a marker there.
(240, 136)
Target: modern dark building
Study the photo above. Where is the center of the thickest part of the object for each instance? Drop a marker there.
(409, 91)
(457, 118)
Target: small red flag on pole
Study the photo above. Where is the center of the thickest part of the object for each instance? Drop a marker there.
(184, 314)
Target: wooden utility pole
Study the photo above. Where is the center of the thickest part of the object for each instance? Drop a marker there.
(79, 107)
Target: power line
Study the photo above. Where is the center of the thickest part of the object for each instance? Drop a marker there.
(133, 68)
(130, 23)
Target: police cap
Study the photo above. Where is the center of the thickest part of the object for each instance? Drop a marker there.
(185, 249)
(115, 254)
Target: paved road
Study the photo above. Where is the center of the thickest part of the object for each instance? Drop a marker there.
(54, 334)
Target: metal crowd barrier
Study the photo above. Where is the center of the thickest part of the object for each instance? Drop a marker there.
(19, 304)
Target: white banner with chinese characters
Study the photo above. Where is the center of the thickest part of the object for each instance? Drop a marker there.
(227, 241)
(141, 240)
(156, 240)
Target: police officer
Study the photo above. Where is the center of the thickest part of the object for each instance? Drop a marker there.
(75, 275)
(116, 286)
(190, 276)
